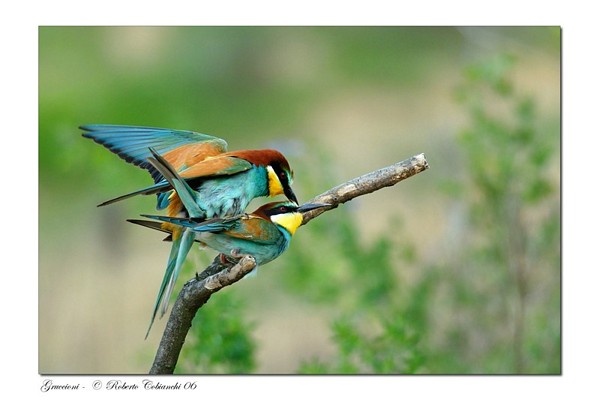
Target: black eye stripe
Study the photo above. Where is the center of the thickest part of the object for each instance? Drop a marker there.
(281, 174)
(280, 210)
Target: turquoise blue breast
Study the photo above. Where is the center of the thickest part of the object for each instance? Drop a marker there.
(227, 195)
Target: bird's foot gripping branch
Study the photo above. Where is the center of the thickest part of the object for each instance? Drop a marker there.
(224, 271)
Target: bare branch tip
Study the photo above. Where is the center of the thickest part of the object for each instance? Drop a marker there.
(247, 263)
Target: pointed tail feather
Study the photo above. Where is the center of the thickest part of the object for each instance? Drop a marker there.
(153, 225)
(185, 222)
(185, 245)
(211, 225)
(154, 189)
(181, 247)
(149, 224)
(170, 267)
(156, 226)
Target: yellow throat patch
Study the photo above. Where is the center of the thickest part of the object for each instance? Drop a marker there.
(274, 183)
(289, 221)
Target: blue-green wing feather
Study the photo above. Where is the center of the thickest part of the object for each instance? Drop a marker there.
(131, 143)
(215, 225)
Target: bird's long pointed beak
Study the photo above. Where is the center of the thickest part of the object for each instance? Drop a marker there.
(311, 206)
(290, 195)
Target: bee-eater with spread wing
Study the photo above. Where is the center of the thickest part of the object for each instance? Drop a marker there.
(226, 181)
(223, 183)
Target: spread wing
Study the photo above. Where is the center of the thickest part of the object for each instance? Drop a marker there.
(211, 167)
(131, 143)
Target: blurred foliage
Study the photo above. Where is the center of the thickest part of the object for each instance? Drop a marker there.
(220, 340)
(376, 332)
(508, 272)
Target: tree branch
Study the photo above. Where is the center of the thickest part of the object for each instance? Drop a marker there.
(194, 295)
(224, 271)
(373, 181)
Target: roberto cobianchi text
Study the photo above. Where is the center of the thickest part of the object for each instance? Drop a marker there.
(117, 384)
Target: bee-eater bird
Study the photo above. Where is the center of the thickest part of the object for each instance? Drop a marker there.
(263, 234)
(224, 183)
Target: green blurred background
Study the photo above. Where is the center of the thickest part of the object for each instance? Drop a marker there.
(454, 271)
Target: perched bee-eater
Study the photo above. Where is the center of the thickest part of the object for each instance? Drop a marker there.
(226, 181)
(263, 234)
(223, 183)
